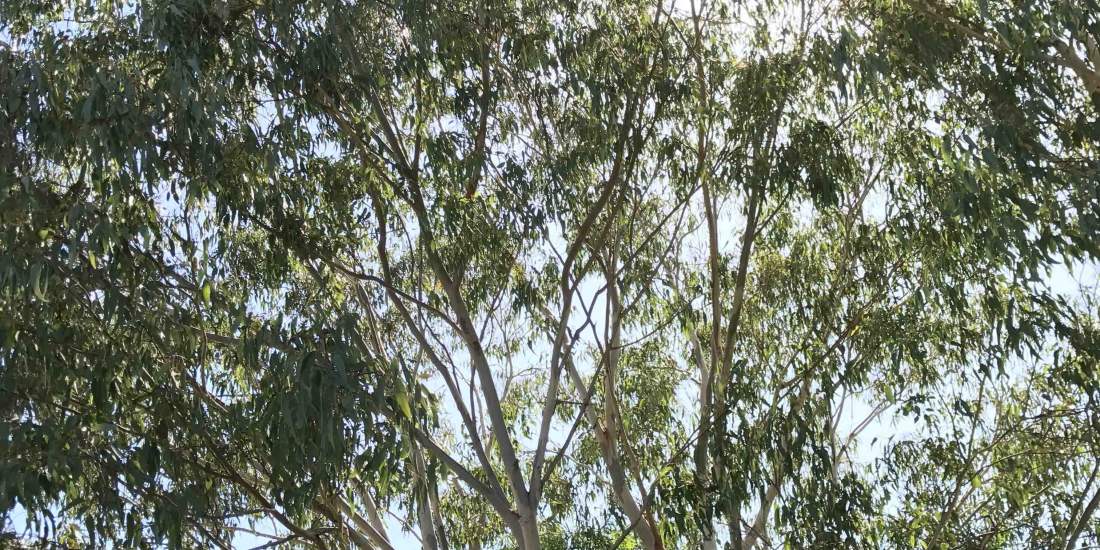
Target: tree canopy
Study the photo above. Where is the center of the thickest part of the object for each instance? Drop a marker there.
(540, 274)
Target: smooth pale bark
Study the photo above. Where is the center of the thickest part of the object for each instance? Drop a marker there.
(364, 535)
(373, 516)
(607, 427)
(610, 453)
(468, 333)
(613, 435)
(429, 538)
(466, 329)
(561, 336)
(1083, 521)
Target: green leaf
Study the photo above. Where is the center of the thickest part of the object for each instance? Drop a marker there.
(403, 403)
(38, 283)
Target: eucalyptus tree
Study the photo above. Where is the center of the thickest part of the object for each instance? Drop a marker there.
(548, 273)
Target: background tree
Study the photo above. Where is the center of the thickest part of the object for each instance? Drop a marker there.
(549, 274)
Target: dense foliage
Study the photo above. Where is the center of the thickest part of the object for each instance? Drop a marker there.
(550, 273)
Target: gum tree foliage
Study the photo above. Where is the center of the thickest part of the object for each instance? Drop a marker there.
(549, 274)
